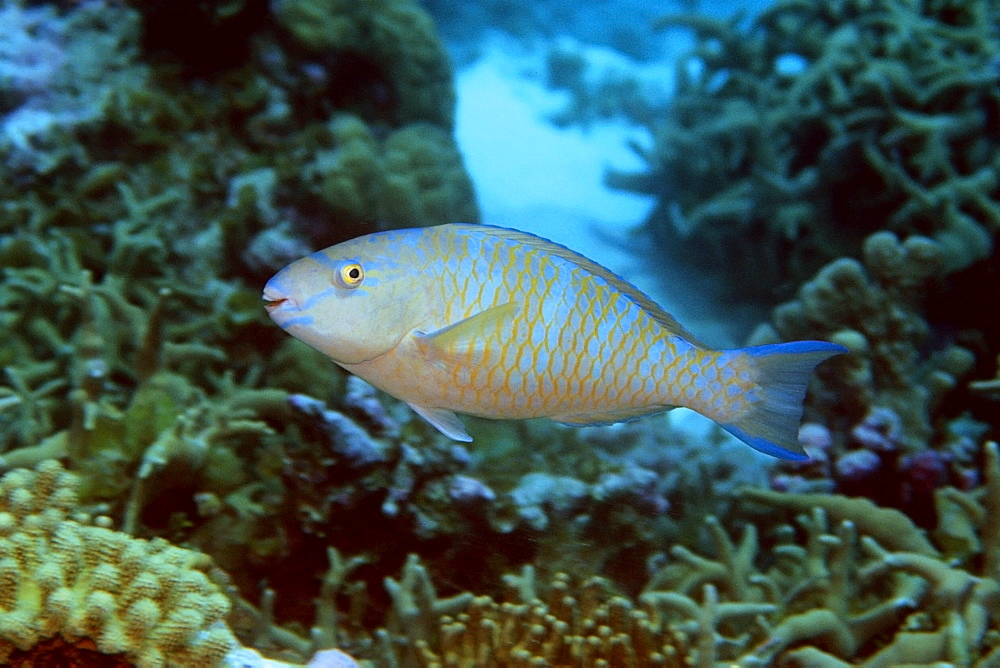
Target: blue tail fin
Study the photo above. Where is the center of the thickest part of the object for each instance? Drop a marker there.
(784, 369)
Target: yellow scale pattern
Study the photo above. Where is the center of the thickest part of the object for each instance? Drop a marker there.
(576, 346)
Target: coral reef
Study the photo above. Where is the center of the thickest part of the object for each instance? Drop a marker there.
(129, 264)
(847, 584)
(891, 438)
(57, 74)
(576, 626)
(144, 195)
(841, 152)
(791, 140)
(939, 606)
(145, 190)
(876, 308)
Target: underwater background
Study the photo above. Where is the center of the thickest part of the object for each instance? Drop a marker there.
(185, 484)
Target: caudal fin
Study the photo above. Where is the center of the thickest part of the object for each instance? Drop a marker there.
(783, 372)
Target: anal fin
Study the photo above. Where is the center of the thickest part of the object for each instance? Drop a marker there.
(599, 418)
(444, 421)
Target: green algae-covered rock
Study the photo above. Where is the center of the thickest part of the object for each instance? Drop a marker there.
(414, 177)
(391, 43)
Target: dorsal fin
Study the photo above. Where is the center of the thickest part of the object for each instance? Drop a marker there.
(623, 286)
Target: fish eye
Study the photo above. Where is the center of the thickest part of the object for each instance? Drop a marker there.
(350, 275)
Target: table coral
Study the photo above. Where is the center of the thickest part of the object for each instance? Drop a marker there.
(146, 600)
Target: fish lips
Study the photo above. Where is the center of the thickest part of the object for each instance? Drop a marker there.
(274, 301)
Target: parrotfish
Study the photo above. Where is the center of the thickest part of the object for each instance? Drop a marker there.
(500, 323)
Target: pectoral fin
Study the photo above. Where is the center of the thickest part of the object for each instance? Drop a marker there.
(465, 336)
(444, 421)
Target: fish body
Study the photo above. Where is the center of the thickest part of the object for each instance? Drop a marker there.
(503, 324)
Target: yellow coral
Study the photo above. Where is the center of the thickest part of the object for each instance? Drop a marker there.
(147, 600)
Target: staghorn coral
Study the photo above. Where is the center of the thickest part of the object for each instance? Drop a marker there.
(791, 140)
(950, 596)
(581, 625)
(134, 345)
(138, 351)
(145, 600)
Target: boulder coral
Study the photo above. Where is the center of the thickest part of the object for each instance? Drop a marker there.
(876, 307)
(148, 601)
(414, 176)
(388, 49)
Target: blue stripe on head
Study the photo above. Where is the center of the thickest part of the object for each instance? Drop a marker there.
(325, 261)
(307, 304)
(298, 321)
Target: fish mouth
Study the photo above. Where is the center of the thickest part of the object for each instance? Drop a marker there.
(273, 302)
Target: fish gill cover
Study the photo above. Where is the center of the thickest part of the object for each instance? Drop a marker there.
(144, 202)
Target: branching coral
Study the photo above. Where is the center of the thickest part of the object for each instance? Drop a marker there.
(137, 354)
(791, 140)
(827, 587)
(847, 582)
(877, 309)
(134, 345)
(953, 595)
(575, 626)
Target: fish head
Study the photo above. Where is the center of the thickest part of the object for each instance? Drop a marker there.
(350, 304)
